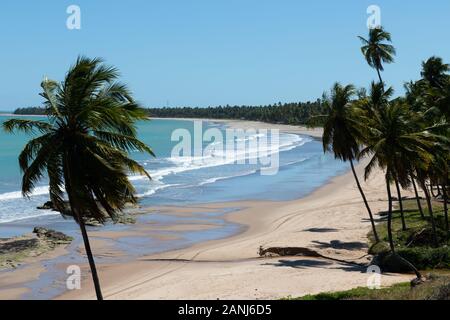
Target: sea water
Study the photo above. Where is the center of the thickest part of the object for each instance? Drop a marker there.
(176, 181)
(179, 180)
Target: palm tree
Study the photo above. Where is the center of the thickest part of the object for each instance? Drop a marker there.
(397, 146)
(416, 192)
(434, 71)
(84, 146)
(377, 51)
(341, 133)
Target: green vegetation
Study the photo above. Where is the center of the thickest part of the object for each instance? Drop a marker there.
(415, 243)
(296, 113)
(288, 113)
(14, 251)
(436, 288)
(407, 137)
(84, 146)
(33, 111)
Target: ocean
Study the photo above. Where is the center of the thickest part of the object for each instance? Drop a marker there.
(183, 180)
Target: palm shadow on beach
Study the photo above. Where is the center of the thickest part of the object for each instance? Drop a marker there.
(340, 245)
(310, 263)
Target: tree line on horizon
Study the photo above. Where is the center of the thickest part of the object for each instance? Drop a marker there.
(294, 113)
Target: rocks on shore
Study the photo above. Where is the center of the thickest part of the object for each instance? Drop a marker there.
(15, 250)
(121, 219)
(52, 235)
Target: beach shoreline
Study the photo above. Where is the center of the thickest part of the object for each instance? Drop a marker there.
(331, 220)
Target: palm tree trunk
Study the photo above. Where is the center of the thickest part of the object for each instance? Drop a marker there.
(379, 76)
(419, 204)
(444, 191)
(400, 201)
(90, 256)
(389, 222)
(79, 218)
(432, 190)
(430, 211)
(372, 221)
(391, 239)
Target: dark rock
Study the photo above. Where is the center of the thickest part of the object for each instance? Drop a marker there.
(52, 235)
(47, 206)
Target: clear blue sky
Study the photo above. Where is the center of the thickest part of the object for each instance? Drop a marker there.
(211, 52)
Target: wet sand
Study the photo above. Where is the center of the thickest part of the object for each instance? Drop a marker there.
(332, 221)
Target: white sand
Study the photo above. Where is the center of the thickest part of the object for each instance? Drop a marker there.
(231, 269)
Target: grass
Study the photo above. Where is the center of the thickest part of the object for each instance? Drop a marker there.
(415, 243)
(436, 288)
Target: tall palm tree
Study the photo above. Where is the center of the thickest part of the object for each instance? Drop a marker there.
(84, 146)
(377, 50)
(377, 100)
(397, 146)
(341, 133)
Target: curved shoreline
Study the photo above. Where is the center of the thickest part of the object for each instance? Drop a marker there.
(331, 220)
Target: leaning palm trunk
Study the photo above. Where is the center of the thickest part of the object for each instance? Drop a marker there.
(372, 221)
(430, 211)
(391, 239)
(379, 76)
(444, 191)
(419, 203)
(432, 190)
(400, 201)
(76, 214)
(438, 190)
(90, 257)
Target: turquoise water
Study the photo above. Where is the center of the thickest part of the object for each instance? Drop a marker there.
(178, 181)
(208, 178)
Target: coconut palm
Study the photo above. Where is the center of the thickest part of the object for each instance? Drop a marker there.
(377, 50)
(377, 100)
(341, 131)
(434, 71)
(84, 146)
(398, 146)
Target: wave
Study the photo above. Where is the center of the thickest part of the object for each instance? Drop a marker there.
(214, 180)
(39, 191)
(167, 167)
(21, 216)
(221, 158)
(156, 189)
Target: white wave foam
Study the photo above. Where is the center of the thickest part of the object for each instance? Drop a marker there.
(39, 191)
(219, 157)
(214, 180)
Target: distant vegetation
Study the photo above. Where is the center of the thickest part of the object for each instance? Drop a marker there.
(287, 113)
(30, 111)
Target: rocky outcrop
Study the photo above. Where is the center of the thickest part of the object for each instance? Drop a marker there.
(14, 251)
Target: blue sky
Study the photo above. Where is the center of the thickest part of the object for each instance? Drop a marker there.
(211, 52)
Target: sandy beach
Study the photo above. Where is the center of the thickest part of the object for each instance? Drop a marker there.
(331, 221)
